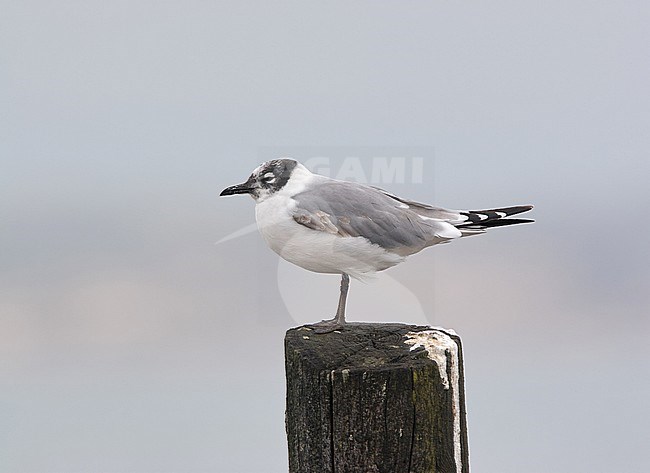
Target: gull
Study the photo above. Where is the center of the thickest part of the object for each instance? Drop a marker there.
(338, 227)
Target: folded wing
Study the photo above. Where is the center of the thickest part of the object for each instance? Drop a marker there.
(351, 210)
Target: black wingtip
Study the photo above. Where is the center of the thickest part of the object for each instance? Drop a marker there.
(514, 210)
(495, 223)
(507, 221)
(490, 218)
(494, 217)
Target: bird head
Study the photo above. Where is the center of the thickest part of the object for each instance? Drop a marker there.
(267, 179)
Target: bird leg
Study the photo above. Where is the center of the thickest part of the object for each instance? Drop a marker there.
(326, 326)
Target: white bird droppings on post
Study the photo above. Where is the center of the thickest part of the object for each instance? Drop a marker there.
(438, 345)
(443, 350)
(346, 375)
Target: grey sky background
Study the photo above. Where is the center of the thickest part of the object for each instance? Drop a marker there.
(130, 342)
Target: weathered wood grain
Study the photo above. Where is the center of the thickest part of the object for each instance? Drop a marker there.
(385, 398)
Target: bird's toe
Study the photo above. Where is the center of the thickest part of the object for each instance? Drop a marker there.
(325, 326)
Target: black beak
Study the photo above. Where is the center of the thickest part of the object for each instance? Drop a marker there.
(244, 188)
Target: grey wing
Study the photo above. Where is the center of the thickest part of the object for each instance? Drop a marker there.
(454, 217)
(353, 210)
(469, 222)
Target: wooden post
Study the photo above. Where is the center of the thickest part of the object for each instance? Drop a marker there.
(384, 398)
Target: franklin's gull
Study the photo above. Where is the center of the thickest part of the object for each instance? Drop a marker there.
(338, 227)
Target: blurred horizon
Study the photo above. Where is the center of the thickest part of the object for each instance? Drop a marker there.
(130, 341)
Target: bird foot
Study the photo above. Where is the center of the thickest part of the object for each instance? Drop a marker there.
(326, 326)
